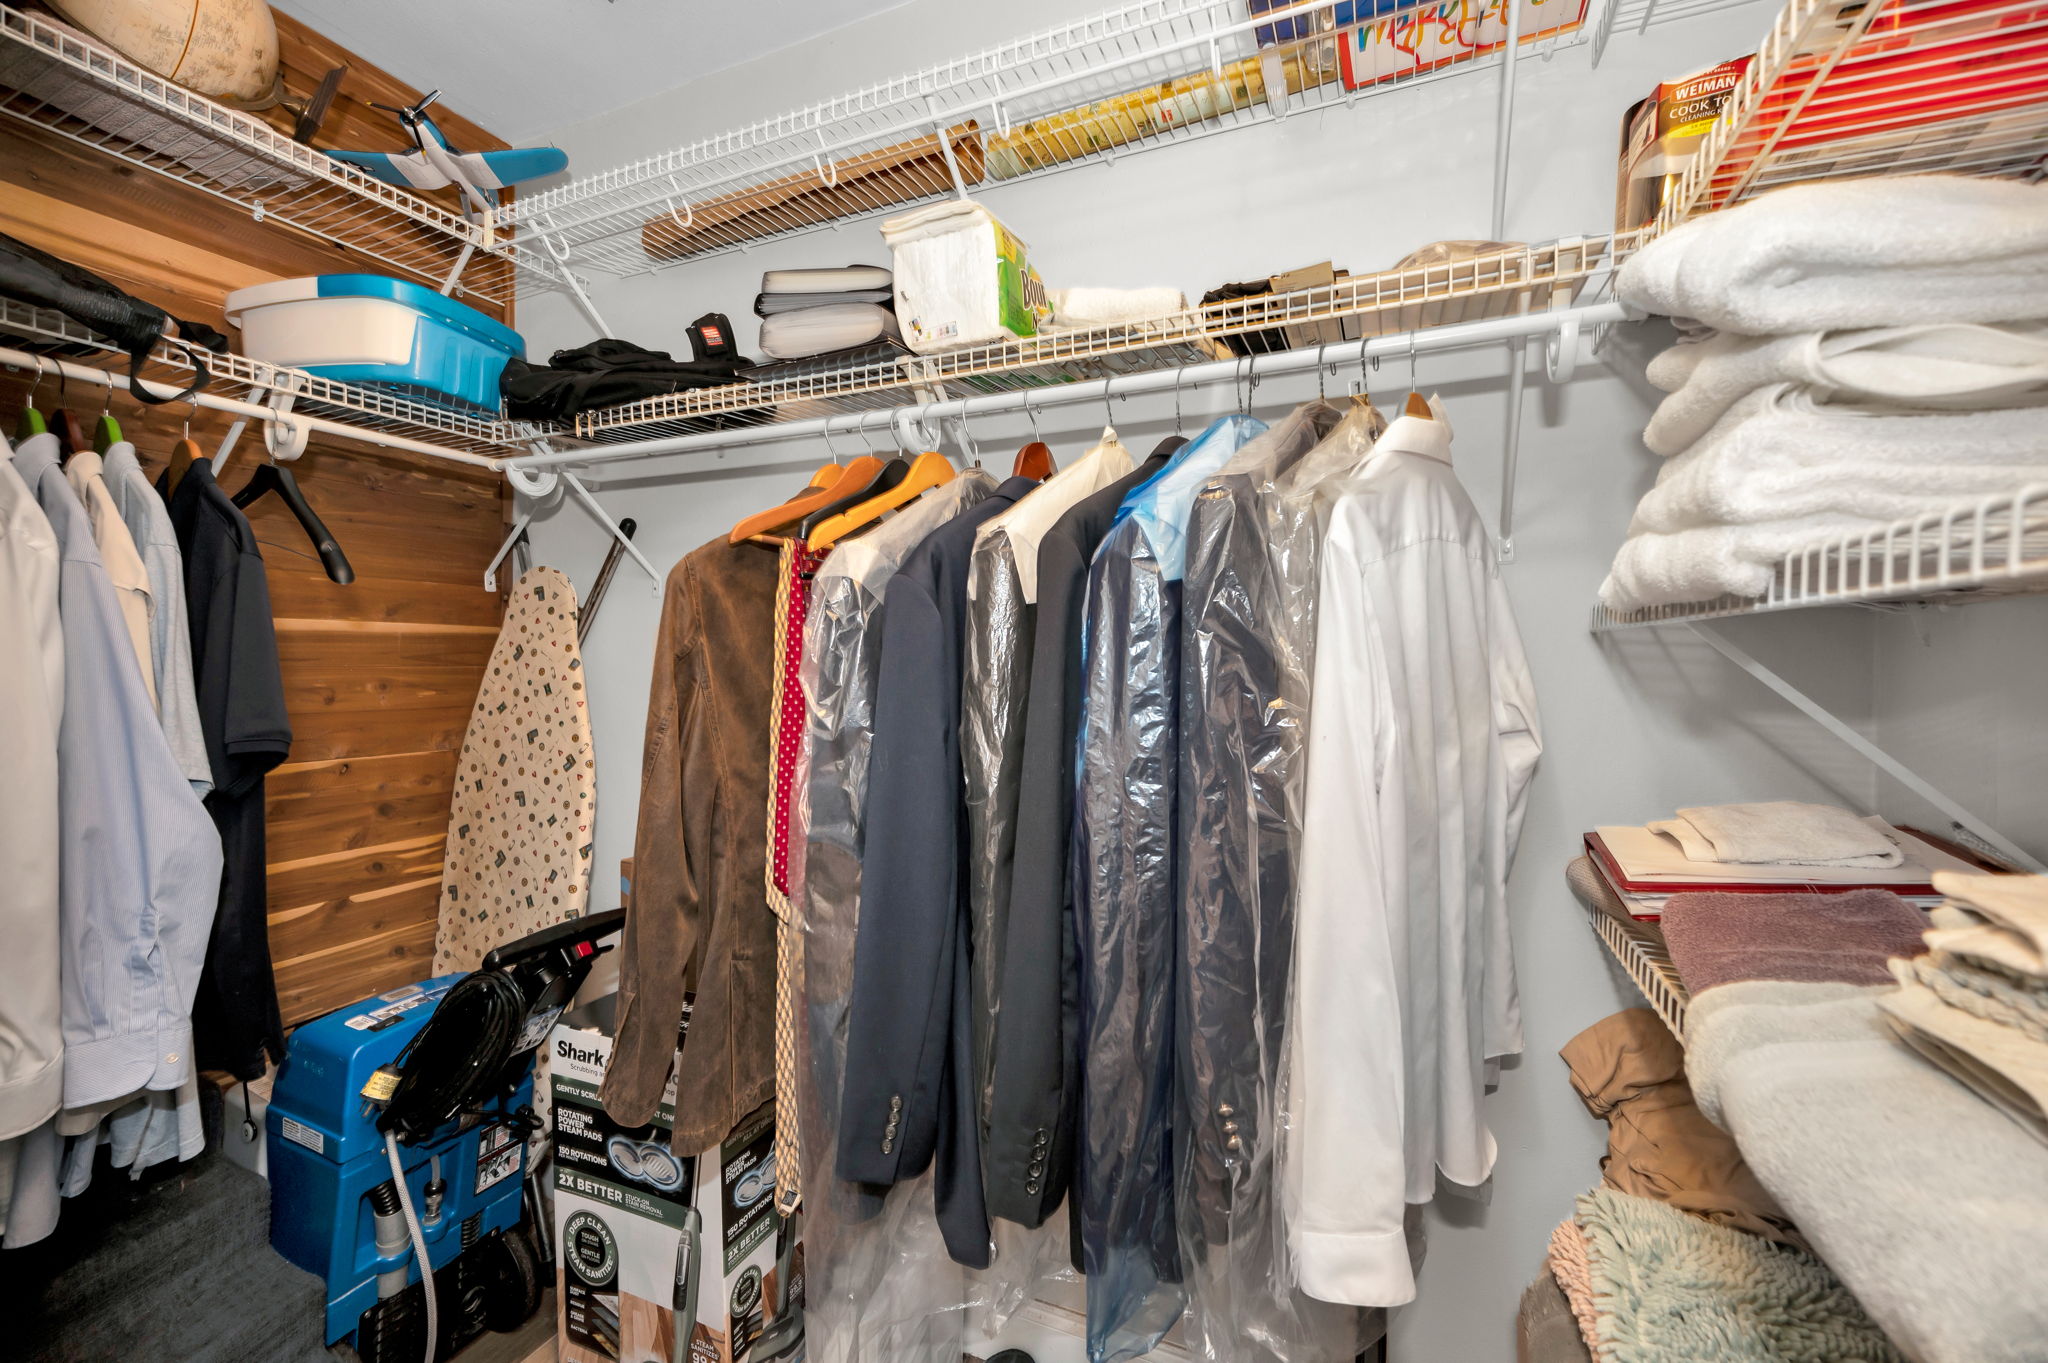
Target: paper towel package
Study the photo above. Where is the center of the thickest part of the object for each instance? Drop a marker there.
(660, 1258)
(962, 278)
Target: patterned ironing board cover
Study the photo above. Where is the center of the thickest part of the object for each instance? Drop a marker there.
(519, 828)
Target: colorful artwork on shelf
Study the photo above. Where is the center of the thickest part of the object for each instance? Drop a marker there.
(1430, 37)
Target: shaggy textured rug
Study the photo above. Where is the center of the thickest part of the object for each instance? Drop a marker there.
(1671, 1288)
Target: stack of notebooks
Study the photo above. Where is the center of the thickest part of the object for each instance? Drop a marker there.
(1646, 868)
(810, 313)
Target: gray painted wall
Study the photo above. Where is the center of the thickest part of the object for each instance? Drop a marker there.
(1634, 726)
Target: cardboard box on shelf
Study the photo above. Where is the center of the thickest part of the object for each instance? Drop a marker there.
(665, 1258)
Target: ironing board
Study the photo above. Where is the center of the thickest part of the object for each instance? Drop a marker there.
(519, 828)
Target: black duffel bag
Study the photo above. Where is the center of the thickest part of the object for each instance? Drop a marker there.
(41, 280)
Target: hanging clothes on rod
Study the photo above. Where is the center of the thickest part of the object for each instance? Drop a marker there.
(240, 688)
(986, 698)
(879, 1285)
(909, 1095)
(124, 828)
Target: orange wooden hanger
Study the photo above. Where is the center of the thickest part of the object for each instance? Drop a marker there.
(1417, 405)
(927, 471)
(1034, 461)
(183, 455)
(827, 474)
(856, 473)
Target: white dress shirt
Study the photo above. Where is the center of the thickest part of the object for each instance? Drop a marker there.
(1421, 745)
(32, 700)
(125, 568)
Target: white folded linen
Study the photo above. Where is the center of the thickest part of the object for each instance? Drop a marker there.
(827, 279)
(1778, 455)
(1073, 308)
(1853, 253)
(1951, 366)
(1779, 833)
(818, 331)
(1700, 565)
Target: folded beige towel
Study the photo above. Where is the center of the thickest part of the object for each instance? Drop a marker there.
(2001, 920)
(1995, 995)
(2002, 1065)
(1780, 832)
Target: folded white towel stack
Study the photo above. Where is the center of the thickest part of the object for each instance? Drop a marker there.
(1881, 353)
(1853, 253)
(1950, 366)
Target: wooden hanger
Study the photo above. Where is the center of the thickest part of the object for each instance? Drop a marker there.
(270, 478)
(1417, 405)
(825, 475)
(70, 432)
(1034, 461)
(892, 473)
(183, 455)
(857, 473)
(927, 471)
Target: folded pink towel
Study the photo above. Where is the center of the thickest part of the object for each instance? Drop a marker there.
(1804, 938)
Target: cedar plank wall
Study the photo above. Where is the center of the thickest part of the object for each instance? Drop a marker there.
(379, 675)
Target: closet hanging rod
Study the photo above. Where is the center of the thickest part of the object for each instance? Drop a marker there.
(68, 369)
(1306, 359)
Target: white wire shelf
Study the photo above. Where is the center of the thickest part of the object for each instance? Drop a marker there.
(1146, 75)
(1995, 546)
(360, 406)
(53, 78)
(1526, 279)
(1848, 88)
(1643, 956)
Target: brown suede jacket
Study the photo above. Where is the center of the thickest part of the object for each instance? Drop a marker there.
(699, 918)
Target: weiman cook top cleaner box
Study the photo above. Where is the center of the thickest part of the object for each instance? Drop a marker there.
(660, 1258)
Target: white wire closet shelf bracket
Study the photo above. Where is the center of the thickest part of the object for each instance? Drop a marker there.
(1975, 550)
(362, 411)
(54, 78)
(1141, 76)
(1848, 88)
(1533, 279)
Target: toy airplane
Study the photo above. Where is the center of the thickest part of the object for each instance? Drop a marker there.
(479, 175)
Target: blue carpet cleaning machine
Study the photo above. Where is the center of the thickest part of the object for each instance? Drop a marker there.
(397, 1136)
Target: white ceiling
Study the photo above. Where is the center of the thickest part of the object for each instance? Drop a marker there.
(527, 68)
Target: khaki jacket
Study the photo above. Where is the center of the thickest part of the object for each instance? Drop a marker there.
(699, 919)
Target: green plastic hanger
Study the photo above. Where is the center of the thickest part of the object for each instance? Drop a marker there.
(106, 434)
(31, 422)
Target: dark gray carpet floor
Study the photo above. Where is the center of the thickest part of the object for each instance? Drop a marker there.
(176, 1266)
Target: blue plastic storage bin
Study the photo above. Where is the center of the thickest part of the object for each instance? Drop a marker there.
(366, 328)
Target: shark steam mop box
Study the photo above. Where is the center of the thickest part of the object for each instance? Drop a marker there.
(661, 1258)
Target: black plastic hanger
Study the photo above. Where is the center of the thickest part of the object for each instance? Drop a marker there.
(893, 472)
(271, 478)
